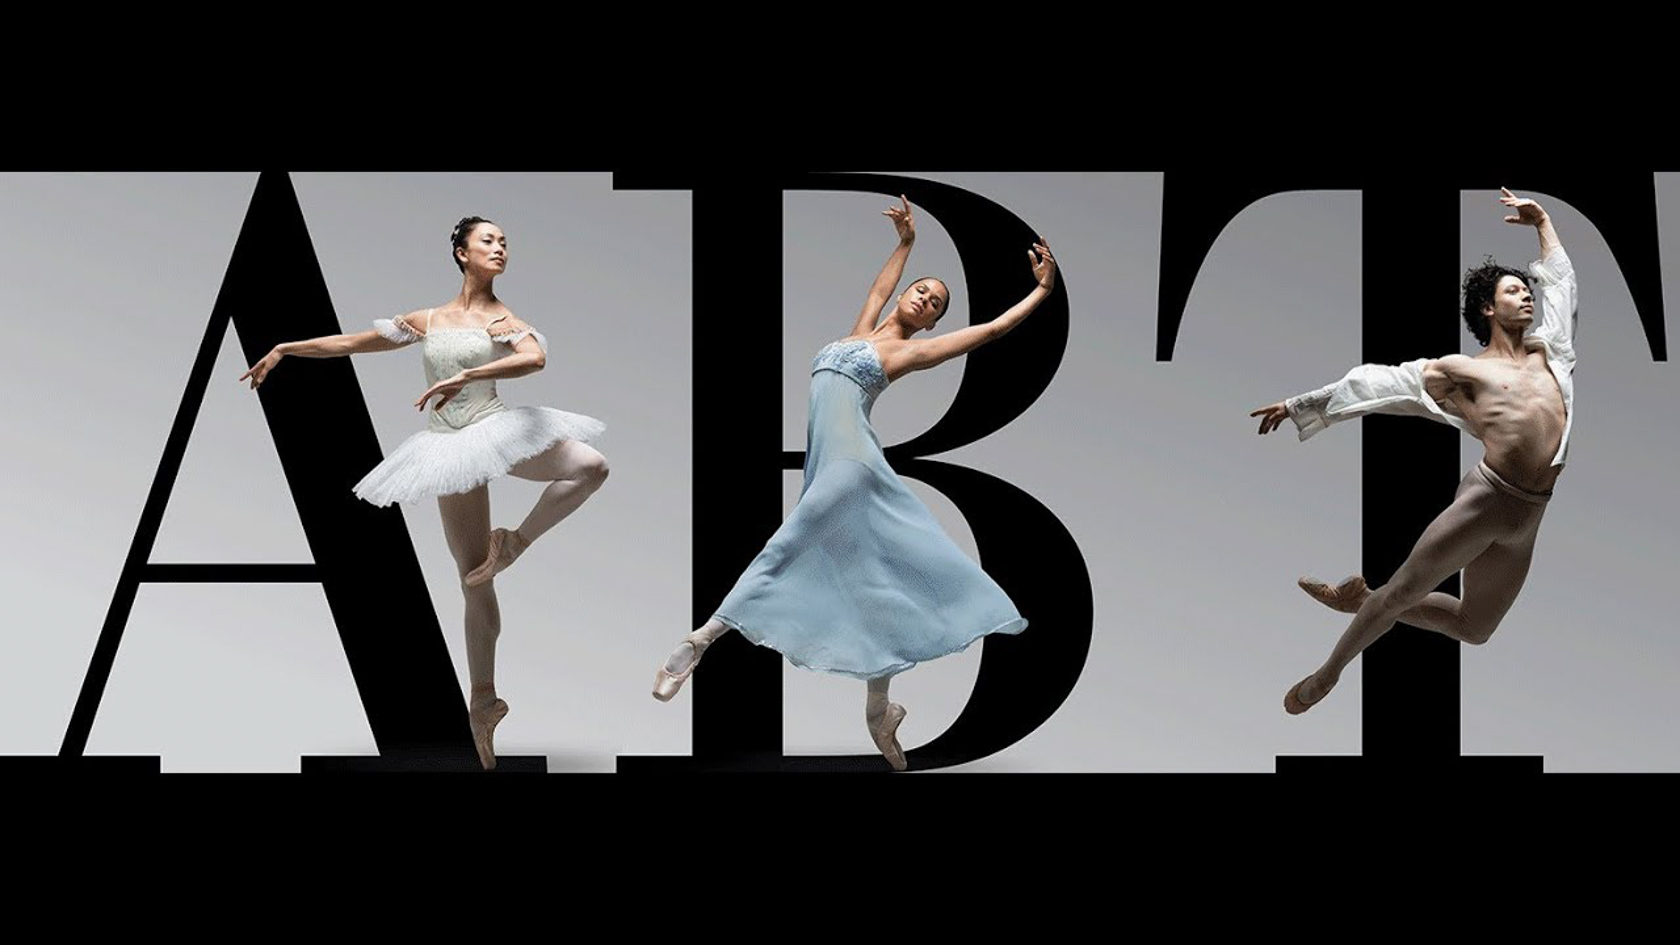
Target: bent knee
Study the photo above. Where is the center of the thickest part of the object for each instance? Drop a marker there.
(596, 469)
(592, 466)
(1478, 632)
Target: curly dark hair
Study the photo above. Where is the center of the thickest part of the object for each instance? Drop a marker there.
(943, 308)
(1479, 286)
(458, 237)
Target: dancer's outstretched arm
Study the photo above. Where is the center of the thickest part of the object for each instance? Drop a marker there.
(1372, 388)
(892, 272)
(336, 346)
(920, 355)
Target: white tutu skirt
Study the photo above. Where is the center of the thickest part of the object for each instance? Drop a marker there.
(431, 463)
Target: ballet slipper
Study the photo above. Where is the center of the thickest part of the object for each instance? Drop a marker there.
(483, 724)
(1345, 597)
(505, 547)
(884, 731)
(666, 683)
(1294, 704)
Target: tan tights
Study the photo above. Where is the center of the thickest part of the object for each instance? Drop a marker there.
(1488, 531)
(573, 472)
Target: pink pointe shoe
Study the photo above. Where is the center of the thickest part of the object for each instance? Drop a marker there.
(1345, 597)
(505, 548)
(484, 731)
(666, 683)
(885, 732)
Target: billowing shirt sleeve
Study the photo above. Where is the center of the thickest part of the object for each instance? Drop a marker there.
(397, 330)
(1307, 410)
(1368, 388)
(1555, 278)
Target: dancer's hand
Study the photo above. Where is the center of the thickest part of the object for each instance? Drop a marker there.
(1271, 417)
(445, 390)
(1528, 212)
(1044, 265)
(903, 220)
(260, 370)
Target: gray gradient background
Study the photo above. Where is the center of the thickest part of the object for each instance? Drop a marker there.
(1194, 529)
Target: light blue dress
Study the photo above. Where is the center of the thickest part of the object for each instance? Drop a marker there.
(861, 580)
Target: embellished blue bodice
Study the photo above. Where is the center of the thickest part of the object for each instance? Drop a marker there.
(846, 376)
(857, 359)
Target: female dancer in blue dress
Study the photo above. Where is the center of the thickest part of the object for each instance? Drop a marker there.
(860, 579)
(471, 438)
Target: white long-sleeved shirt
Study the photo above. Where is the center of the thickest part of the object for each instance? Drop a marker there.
(1398, 389)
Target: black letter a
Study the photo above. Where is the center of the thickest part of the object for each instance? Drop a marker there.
(364, 560)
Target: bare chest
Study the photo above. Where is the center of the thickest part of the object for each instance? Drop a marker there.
(1497, 387)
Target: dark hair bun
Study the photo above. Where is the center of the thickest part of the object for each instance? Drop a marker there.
(458, 237)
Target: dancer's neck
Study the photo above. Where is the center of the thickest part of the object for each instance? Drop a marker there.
(894, 328)
(1506, 344)
(476, 293)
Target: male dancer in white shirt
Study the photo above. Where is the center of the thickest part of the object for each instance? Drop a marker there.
(1517, 397)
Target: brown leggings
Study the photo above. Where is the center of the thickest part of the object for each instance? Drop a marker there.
(1489, 532)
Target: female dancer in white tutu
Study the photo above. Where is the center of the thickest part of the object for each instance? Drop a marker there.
(861, 580)
(471, 438)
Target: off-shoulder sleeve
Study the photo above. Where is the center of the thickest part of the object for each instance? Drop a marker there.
(1556, 278)
(397, 330)
(512, 338)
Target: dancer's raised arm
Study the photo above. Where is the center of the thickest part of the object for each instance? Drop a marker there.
(1530, 213)
(1553, 272)
(893, 271)
(394, 334)
(920, 355)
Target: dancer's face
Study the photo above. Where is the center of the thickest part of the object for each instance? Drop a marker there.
(1513, 304)
(923, 303)
(485, 250)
